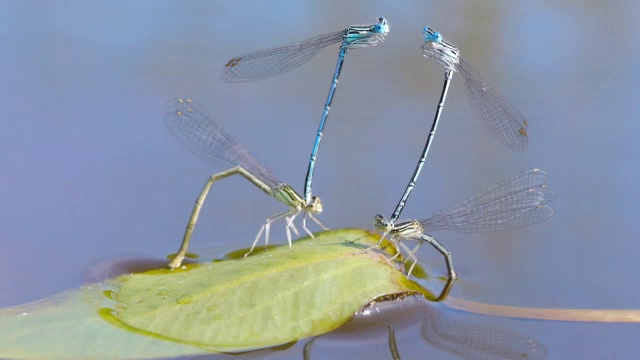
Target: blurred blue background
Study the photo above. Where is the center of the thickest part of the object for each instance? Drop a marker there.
(90, 173)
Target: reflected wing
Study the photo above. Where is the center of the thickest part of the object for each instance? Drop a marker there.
(478, 341)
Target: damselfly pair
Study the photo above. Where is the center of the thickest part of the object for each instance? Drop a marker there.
(204, 137)
(516, 202)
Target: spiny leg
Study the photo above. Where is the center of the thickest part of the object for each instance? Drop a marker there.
(412, 256)
(289, 223)
(362, 237)
(304, 224)
(288, 231)
(177, 260)
(384, 235)
(412, 251)
(396, 244)
(406, 249)
(256, 239)
(415, 249)
(293, 227)
(266, 227)
(317, 221)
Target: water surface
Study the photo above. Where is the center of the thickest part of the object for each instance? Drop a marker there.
(90, 173)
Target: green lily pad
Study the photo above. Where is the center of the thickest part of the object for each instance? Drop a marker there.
(69, 326)
(270, 298)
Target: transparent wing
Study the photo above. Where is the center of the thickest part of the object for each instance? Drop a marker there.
(513, 203)
(496, 113)
(262, 64)
(478, 341)
(199, 133)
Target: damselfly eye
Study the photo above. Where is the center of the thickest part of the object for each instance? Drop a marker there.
(379, 221)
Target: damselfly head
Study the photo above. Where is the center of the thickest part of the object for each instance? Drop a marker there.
(382, 27)
(381, 223)
(361, 36)
(437, 48)
(315, 206)
(431, 36)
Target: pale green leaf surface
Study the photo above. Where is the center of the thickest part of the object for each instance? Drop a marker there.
(68, 326)
(270, 298)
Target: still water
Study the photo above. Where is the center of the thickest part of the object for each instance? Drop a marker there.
(90, 174)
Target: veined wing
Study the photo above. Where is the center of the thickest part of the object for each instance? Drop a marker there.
(495, 112)
(513, 203)
(274, 61)
(199, 133)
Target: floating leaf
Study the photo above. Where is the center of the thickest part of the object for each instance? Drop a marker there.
(270, 298)
(264, 300)
(69, 326)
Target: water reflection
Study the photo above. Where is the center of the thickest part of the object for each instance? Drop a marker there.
(466, 339)
(477, 341)
(83, 87)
